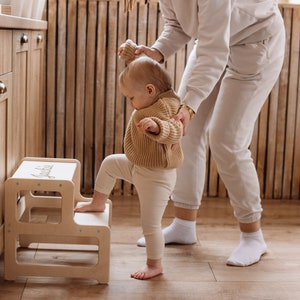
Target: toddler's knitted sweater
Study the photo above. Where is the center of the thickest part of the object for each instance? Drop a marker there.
(162, 150)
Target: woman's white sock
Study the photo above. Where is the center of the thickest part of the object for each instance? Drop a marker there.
(252, 246)
(178, 232)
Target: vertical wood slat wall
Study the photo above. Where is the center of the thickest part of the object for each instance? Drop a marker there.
(87, 115)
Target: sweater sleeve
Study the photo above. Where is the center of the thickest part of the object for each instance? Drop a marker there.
(173, 38)
(170, 131)
(212, 50)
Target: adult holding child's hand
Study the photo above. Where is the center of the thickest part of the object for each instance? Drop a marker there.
(234, 64)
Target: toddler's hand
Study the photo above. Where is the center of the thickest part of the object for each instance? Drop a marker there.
(127, 51)
(148, 125)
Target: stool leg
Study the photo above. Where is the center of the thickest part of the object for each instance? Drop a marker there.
(104, 255)
(10, 256)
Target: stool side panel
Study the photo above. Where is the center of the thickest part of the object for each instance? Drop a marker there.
(61, 176)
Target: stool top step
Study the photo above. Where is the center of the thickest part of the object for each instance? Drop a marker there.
(45, 170)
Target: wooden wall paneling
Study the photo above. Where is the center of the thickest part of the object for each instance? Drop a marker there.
(142, 28)
(80, 83)
(89, 113)
(170, 65)
(213, 178)
(292, 100)
(120, 119)
(60, 131)
(222, 192)
(295, 189)
(295, 193)
(111, 79)
(254, 142)
(152, 30)
(51, 81)
(271, 142)
(43, 91)
(119, 32)
(132, 21)
(180, 65)
(281, 113)
(262, 146)
(101, 89)
(70, 78)
(206, 181)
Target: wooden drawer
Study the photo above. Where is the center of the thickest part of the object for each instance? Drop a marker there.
(21, 40)
(5, 51)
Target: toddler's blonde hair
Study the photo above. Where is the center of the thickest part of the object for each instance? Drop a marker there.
(143, 71)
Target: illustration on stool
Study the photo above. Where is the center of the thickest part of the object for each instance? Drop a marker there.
(43, 171)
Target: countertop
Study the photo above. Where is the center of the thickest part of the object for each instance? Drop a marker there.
(12, 22)
(291, 3)
(7, 21)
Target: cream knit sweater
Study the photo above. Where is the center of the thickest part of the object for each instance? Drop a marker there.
(161, 150)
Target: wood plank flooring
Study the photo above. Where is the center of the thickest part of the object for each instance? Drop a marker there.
(190, 272)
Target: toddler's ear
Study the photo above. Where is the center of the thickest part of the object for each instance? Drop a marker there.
(151, 89)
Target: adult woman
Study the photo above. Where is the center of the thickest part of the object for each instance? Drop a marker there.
(235, 62)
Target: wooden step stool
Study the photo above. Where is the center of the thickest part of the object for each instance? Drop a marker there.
(52, 184)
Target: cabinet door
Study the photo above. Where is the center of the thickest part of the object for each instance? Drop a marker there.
(17, 113)
(5, 101)
(35, 110)
(5, 51)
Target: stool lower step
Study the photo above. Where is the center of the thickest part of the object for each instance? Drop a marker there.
(93, 218)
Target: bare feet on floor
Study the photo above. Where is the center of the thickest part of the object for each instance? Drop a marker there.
(152, 269)
(89, 207)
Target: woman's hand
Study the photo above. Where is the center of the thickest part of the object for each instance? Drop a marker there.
(141, 49)
(150, 52)
(184, 117)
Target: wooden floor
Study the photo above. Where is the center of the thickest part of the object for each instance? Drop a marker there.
(190, 272)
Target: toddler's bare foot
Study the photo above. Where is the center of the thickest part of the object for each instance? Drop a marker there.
(152, 269)
(89, 207)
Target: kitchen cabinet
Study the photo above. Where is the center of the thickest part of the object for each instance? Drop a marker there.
(22, 97)
(5, 102)
(27, 128)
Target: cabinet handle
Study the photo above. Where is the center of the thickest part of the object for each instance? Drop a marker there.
(39, 38)
(24, 38)
(3, 88)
